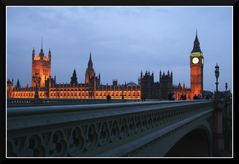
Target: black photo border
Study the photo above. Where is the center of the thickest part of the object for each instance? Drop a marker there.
(5, 3)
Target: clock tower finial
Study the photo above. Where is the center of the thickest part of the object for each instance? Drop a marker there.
(196, 46)
(41, 44)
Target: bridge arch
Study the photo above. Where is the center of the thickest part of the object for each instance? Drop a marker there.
(194, 142)
(166, 145)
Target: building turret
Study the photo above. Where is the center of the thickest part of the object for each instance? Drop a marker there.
(90, 73)
(74, 78)
(18, 85)
(179, 86)
(33, 54)
(49, 54)
(98, 80)
(115, 82)
(41, 67)
(41, 54)
(90, 63)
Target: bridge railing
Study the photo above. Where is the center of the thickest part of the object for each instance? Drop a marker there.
(91, 130)
(18, 102)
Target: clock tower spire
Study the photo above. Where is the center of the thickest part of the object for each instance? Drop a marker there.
(196, 46)
(196, 69)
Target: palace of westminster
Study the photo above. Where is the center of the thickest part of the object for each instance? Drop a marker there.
(47, 87)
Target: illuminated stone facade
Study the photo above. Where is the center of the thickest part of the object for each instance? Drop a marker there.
(91, 89)
(41, 68)
(196, 75)
(196, 69)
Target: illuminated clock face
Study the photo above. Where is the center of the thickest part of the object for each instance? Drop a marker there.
(195, 60)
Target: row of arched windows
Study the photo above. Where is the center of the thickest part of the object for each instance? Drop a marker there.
(69, 89)
(74, 94)
(68, 94)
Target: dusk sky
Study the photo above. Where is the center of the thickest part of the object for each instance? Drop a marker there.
(123, 42)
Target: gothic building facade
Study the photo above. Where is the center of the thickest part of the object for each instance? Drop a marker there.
(92, 88)
(48, 88)
(164, 88)
(156, 90)
(41, 68)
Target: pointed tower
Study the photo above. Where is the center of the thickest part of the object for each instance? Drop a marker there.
(49, 54)
(90, 63)
(196, 69)
(41, 67)
(74, 78)
(90, 73)
(196, 45)
(41, 53)
(18, 84)
(33, 54)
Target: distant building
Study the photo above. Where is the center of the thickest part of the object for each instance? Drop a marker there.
(93, 89)
(156, 90)
(41, 68)
(48, 88)
(196, 69)
(164, 88)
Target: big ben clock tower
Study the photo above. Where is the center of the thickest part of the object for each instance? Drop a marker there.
(196, 69)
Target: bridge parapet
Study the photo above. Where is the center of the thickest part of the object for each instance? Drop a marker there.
(23, 102)
(94, 130)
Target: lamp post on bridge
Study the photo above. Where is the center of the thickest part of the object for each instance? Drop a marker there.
(217, 76)
(218, 137)
(226, 86)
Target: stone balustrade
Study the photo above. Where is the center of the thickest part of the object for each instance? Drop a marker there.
(94, 130)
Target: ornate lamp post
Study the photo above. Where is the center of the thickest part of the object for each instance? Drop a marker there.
(217, 76)
(218, 136)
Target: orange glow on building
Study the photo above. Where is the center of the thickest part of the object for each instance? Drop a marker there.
(48, 88)
(196, 78)
(41, 68)
(70, 92)
(196, 69)
(93, 89)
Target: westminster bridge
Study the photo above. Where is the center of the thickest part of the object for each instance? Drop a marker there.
(130, 129)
